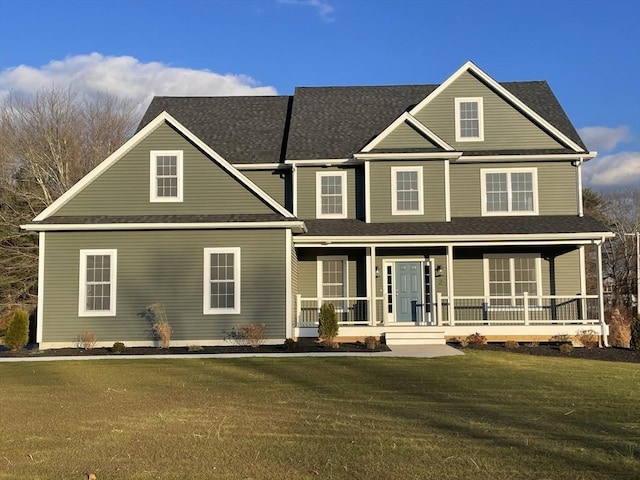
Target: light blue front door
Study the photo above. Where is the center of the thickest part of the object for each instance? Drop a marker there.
(408, 292)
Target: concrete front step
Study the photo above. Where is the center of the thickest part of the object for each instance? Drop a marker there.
(412, 337)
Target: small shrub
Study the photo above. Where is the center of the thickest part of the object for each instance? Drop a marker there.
(17, 334)
(588, 338)
(118, 348)
(635, 333)
(566, 348)
(289, 345)
(562, 338)
(532, 344)
(254, 334)
(86, 340)
(161, 326)
(328, 325)
(511, 345)
(476, 339)
(195, 348)
(372, 343)
(619, 328)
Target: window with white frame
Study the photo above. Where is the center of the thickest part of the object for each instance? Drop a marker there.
(510, 276)
(469, 118)
(98, 274)
(331, 195)
(332, 277)
(221, 280)
(406, 191)
(509, 191)
(166, 176)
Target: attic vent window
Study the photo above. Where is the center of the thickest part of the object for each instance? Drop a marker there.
(469, 119)
(166, 176)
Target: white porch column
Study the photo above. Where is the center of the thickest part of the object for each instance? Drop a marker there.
(603, 325)
(452, 320)
(371, 283)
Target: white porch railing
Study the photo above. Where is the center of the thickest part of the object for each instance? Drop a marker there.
(463, 311)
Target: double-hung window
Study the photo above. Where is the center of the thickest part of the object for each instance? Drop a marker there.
(166, 176)
(221, 280)
(331, 196)
(509, 191)
(98, 274)
(510, 276)
(332, 279)
(406, 191)
(469, 118)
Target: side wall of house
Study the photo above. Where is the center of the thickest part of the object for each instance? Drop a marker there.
(307, 191)
(165, 267)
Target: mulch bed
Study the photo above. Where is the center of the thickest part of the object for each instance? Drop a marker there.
(300, 347)
(610, 354)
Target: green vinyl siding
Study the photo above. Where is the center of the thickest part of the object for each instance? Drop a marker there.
(504, 126)
(405, 136)
(567, 269)
(123, 189)
(433, 191)
(165, 267)
(274, 183)
(307, 190)
(308, 270)
(557, 186)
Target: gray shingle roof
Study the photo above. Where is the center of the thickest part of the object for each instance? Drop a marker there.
(319, 122)
(105, 219)
(459, 226)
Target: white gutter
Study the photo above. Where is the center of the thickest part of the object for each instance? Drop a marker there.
(297, 226)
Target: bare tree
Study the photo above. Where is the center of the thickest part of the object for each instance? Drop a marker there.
(48, 142)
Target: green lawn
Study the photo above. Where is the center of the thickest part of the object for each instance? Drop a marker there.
(485, 415)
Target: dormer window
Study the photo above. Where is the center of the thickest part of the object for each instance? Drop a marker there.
(469, 119)
(166, 176)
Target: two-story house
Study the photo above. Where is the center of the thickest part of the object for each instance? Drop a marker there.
(420, 211)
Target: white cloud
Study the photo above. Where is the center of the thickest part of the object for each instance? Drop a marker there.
(619, 170)
(604, 138)
(126, 76)
(324, 8)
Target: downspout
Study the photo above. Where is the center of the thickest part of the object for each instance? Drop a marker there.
(578, 165)
(604, 328)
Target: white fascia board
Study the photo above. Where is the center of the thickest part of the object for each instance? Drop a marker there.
(321, 162)
(406, 156)
(412, 121)
(418, 240)
(261, 166)
(470, 66)
(101, 168)
(525, 158)
(297, 226)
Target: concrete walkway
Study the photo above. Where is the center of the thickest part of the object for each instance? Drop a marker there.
(414, 351)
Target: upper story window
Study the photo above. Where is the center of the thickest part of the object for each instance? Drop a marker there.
(166, 176)
(97, 283)
(469, 119)
(406, 191)
(221, 280)
(331, 195)
(509, 191)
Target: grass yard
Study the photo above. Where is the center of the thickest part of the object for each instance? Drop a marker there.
(485, 415)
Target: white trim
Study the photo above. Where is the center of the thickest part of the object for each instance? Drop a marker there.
(478, 101)
(579, 188)
(406, 156)
(320, 162)
(394, 192)
(345, 273)
(40, 312)
(499, 89)
(261, 166)
(343, 195)
(153, 175)
(113, 283)
(510, 211)
(524, 157)
(583, 270)
(511, 257)
(447, 191)
(294, 190)
(288, 280)
(298, 226)
(367, 192)
(206, 308)
(406, 117)
(386, 262)
(133, 141)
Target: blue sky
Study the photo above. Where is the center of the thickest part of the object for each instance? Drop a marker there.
(588, 51)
